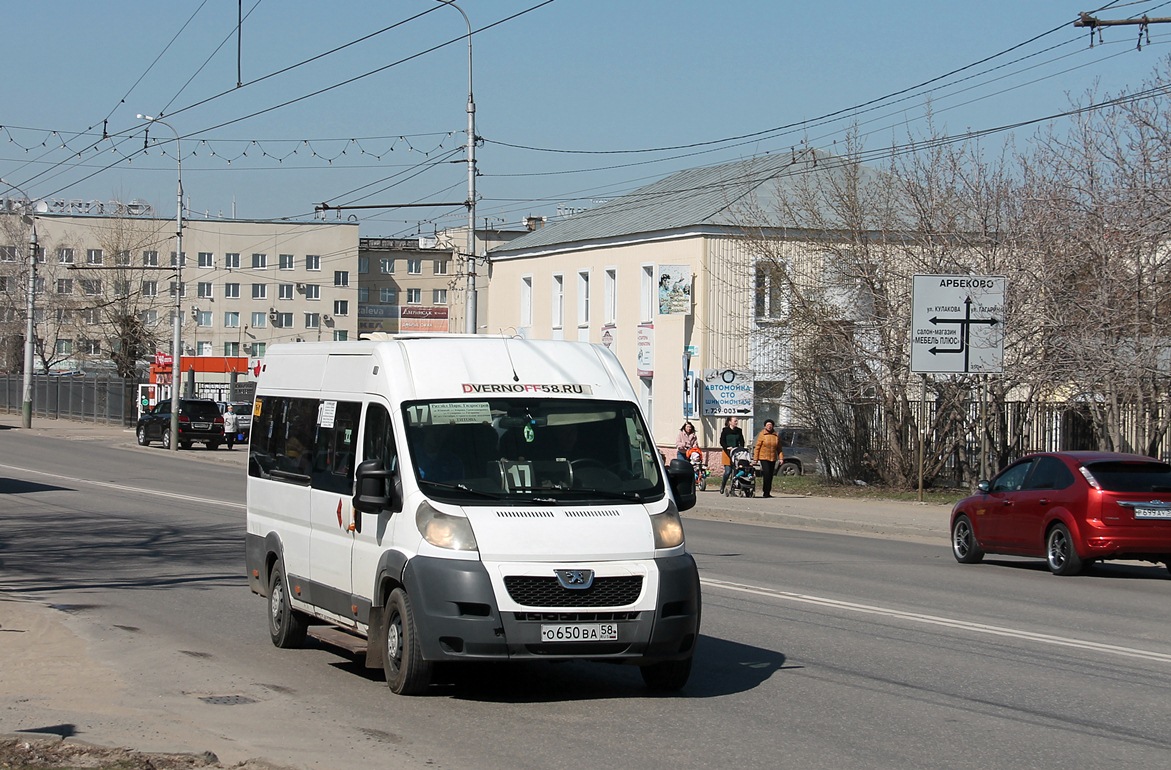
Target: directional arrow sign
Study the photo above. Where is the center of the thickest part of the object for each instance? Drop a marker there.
(957, 324)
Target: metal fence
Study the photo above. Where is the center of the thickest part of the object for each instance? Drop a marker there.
(108, 400)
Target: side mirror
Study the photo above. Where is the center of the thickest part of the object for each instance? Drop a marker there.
(984, 486)
(681, 476)
(370, 487)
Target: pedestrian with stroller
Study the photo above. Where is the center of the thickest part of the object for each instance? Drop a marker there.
(767, 451)
(730, 438)
(686, 440)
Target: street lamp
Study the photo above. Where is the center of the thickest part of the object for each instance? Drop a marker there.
(176, 351)
(26, 405)
(470, 305)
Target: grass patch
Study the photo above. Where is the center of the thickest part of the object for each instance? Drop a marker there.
(821, 487)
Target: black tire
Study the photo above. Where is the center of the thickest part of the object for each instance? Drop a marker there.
(213, 445)
(1167, 564)
(286, 626)
(666, 675)
(143, 439)
(1060, 555)
(788, 468)
(166, 438)
(702, 483)
(402, 660)
(184, 444)
(963, 542)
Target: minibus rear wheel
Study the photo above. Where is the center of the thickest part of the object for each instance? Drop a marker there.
(286, 626)
(402, 660)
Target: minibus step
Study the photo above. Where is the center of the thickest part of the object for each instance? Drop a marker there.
(335, 637)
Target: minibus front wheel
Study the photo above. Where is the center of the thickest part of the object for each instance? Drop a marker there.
(402, 660)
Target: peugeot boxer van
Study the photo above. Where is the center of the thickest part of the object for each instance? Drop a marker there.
(462, 498)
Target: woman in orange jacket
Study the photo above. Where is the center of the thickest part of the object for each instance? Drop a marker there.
(767, 452)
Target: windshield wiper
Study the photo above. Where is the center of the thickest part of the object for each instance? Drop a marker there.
(463, 488)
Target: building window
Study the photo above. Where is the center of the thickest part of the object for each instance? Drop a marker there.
(646, 305)
(583, 298)
(363, 265)
(203, 318)
(94, 257)
(91, 287)
(122, 259)
(259, 291)
(312, 291)
(182, 260)
(91, 316)
(341, 278)
(65, 256)
(259, 261)
(203, 348)
(232, 261)
(610, 297)
(150, 288)
(64, 315)
(387, 295)
(312, 262)
(232, 291)
(181, 288)
(284, 291)
(91, 347)
(39, 285)
(232, 319)
(231, 349)
(386, 265)
(340, 335)
(769, 295)
(283, 321)
(526, 300)
(121, 288)
(312, 320)
(414, 266)
(64, 285)
(149, 317)
(7, 253)
(286, 261)
(558, 301)
(64, 347)
(206, 259)
(439, 296)
(414, 296)
(441, 266)
(363, 295)
(258, 349)
(203, 290)
(150, 259)
(259, 320)
(341, 307)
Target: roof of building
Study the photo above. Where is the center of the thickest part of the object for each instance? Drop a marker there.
(738, 194)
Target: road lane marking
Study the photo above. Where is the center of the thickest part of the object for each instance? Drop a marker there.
(125, 488)
(934, 620)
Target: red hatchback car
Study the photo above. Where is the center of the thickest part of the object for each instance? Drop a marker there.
(1071, 508)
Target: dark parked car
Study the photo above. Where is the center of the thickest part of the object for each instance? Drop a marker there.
(199, 420)
(800, 450)
(1070, 508)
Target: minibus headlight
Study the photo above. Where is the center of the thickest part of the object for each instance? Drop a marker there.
(443, 530)
(668, 528)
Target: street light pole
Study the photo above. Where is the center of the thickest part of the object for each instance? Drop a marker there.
(26, 405)
(470, 324)
(176, 350)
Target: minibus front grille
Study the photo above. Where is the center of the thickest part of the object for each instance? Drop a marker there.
(548, 592)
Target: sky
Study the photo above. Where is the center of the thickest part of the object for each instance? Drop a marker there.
(577, 101)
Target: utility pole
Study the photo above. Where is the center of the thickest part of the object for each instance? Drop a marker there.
(26, 404)
(1143, 22)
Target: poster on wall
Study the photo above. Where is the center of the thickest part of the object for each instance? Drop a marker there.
(674, 290)
(646, 351)
(609, 338)
(728, 392)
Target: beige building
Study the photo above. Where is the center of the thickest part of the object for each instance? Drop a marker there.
(108, 283)
(665, 277)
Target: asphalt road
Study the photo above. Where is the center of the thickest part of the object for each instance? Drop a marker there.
(819, 648)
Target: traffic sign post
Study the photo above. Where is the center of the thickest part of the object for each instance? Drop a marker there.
(957, 324)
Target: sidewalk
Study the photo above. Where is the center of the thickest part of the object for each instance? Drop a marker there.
(876, 518)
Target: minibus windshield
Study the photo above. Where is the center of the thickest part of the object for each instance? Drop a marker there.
(531, 451)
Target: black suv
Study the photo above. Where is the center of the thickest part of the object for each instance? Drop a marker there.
(199, 420)
(800, 450)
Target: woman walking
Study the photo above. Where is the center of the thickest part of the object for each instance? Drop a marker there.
(766, 451)
(730, 438)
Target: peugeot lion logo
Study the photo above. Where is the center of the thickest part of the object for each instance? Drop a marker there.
(575, 579)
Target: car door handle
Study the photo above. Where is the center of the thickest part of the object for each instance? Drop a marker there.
(1044, 501)
(1006, 503)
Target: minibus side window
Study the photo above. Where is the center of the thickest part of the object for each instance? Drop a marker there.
(334, 449)
(378, 444)
(282, 439)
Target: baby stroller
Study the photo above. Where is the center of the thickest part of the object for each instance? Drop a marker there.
(743, 481)
(695, 457)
